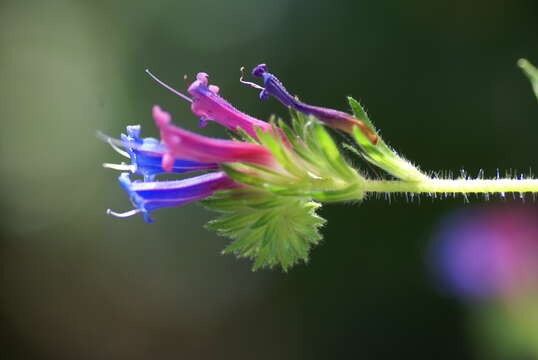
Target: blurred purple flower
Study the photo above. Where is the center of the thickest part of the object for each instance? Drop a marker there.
(479, 253)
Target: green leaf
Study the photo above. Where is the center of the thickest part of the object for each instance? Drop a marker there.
(531, 72)
(272, 230)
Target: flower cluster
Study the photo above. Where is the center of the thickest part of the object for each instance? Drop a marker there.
(267, 170)
(183, 151)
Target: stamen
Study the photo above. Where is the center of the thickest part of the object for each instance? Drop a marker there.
(114, 143)
(123, 214)
(120, 167)
(249, 83)
(117, 149)
(166, 86)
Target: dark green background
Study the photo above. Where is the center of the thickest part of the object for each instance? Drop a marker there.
(439, 78)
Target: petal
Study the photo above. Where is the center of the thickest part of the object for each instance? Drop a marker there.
(184, 144)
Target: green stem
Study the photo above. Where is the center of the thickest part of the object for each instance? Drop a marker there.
(452, 186)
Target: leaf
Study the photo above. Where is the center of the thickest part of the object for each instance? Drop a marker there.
(272, 230)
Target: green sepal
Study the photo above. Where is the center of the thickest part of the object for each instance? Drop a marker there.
(380, 154)
(272, 230)
(241, 176)
(350, 192)
(331, 153)
(360, 113)
(245, 136)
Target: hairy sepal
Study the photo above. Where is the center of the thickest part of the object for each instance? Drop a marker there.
(309, 163)
(380, 154)
(270, 229)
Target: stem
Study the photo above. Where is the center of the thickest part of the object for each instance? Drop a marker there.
(452, 186)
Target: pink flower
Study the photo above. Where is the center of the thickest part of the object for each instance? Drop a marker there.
(184, 144)
(208, 105)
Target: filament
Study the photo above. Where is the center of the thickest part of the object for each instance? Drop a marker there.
(120, 167)
(114, 143)
(117, 149)
(166, 86)
(123, 214)
(249, 83)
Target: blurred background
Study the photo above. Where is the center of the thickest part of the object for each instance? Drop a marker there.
(389, 281)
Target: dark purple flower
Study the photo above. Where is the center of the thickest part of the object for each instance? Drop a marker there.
(148, 196)
(333, 118)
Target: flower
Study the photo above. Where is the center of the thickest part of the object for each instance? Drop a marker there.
(184, 144)
(208, 105)
(333, 118)
(479, 253)
(146, 156)
(148, 196)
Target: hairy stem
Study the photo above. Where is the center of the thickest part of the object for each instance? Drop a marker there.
(452, 186)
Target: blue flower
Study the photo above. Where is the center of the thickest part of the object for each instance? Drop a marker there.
(146, 156)
(148, 196)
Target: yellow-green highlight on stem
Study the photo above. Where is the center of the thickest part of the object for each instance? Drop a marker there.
(479, 186)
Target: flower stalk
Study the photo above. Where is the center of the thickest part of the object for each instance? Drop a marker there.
(456, 186)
